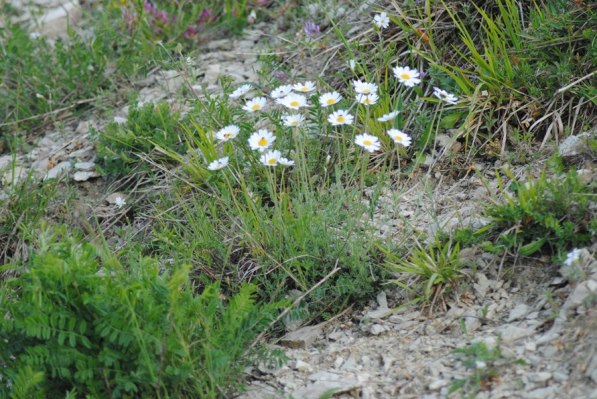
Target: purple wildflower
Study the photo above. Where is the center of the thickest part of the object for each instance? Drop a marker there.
(190, 32)
(311, 29)
(279, 75)
(163, 16)
(149, 7)
(206, 16)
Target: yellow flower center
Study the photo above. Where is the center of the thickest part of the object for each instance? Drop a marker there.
(405, 76)
(262, 142)
(294, 123)
(367, 142)
(272, 161)
(294, 103)
(255, 107)
(366, 100)
(398, 138)
(366, 90)
(331, 101)
(227, 135)
(341, 119)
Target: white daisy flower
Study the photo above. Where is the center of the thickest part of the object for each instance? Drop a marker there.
(218, 164)
(271, 158)
(227, 133)
(256, 104)
(388, 117)
(293, 101)
(241, 91)
(407, 76)
(445, 96)
(306, 87)
(340, 117)
(328, 99)
(281, 91)
(119, 202)
(368, 142)
(261, 140)
(293, 120)
(364, 87)
(400, 137)
(367, 99)
(285, 161)
(381, 20)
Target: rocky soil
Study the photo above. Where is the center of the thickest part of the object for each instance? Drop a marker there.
(537, 321)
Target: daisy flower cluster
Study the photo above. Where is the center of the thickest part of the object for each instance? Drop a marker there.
(295, 98)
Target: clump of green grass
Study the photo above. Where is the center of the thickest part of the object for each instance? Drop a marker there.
(76, 321)
(428, 272)
(40, 81)
(24, 205)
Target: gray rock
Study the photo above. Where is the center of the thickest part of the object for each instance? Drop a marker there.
(511, 333)
(482, 286)
(82, 153)
(377, 329)
(59, 169)
(302, 366)
(518, 313)
(85, 165)
(325, 376)
(320, 388)
(303, 337)
(543, 393)
(592, 369)
(582, 293)
(575, 145)
(259, 390)
(55, 21)
(540, 377)
(83, 175)
(437, 384)
(586, 176)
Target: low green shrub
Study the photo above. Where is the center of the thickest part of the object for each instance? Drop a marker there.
(147, 126)
(551, 215)
(75, 320)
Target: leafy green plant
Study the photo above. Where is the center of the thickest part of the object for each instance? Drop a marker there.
(428, 272)
(76, 319)
(543, 214)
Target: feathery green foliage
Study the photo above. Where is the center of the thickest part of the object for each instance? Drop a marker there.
(89, 323)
